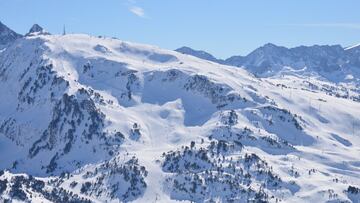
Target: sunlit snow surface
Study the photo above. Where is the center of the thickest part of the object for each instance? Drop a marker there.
(127, 101)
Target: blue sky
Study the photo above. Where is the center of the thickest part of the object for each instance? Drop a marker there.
(221, 27)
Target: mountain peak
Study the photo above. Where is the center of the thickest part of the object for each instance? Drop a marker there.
(270, 47)
(197, 53)
(7, 35)
(185, 49)
(36, 30)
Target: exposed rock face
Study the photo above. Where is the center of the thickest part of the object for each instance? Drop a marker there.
(36, 30)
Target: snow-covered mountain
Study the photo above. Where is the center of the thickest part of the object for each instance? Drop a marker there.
(7, 36)
(198, 53)
(330, 63)
(37, 30)
(93, 119)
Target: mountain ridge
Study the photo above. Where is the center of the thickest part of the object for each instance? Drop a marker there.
(324, 60)
(7, 35)
(198, 53)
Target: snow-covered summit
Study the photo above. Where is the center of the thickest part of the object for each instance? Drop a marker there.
(37, 30)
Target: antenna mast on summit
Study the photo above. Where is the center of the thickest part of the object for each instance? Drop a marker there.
(64, 31)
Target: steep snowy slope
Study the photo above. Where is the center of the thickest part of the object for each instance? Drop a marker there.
(91, 119)
(7, 36)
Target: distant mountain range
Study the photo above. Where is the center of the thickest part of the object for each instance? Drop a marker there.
(333, 63)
